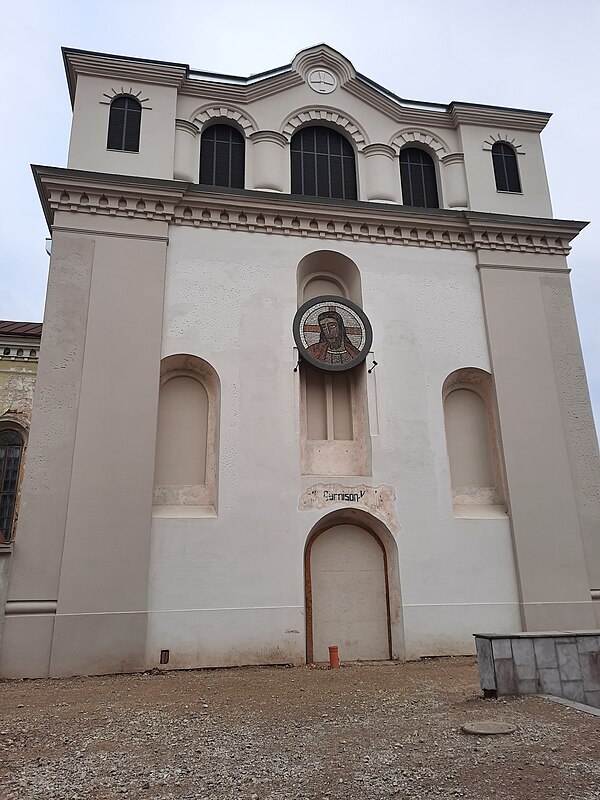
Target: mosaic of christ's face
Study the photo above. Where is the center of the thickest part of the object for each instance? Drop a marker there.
(332, 329)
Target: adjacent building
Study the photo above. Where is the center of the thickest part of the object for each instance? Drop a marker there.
(310, 375)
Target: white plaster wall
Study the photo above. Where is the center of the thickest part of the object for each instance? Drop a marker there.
(534, 199)
(87, 148)
(236, 581)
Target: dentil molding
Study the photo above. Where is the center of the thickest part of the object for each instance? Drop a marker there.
(178, 203)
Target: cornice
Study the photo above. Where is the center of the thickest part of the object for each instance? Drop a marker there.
(492, 117)
(180, 203)
(80, 62)
(234, 93)
(246, 90)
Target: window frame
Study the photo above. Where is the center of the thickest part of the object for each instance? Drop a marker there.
(502, 156)
(305, 154)
(212, 126)
(435, 165)
(14, 503)
(124, 130)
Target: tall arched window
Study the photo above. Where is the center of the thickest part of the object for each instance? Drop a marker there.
(222, 157)
(124, 123)
(187, 437)
(506, 170)
(472, 439)
(417, 175)
(11, 451)
(323, 164)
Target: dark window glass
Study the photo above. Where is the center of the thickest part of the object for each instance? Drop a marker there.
(11, 449)
(506, 171)
(222, 154)
(124, 123)
(417, 175)
(323, 164)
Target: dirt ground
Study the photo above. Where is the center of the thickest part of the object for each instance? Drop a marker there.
(365, 731)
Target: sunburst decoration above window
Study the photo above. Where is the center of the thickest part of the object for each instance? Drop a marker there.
(123, 91)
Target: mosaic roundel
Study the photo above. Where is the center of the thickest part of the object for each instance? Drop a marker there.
(332, 333)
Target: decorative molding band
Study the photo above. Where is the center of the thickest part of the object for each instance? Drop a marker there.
(553, 270)
(257, 212)
(112, 234)
(234, 93)
(203, 114)
(419, 136)
(453, 158)
(138, 205)
(360, 226)
(503, 137)
(127, 93)
(188, 127)
(490, 116)
(9, 351)
(30, 607)
(323, 57)
(269, 136)
(323, 114)
(380, 150)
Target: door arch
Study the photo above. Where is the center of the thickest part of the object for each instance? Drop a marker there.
(347, 593)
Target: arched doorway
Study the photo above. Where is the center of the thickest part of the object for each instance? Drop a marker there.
(347, 594)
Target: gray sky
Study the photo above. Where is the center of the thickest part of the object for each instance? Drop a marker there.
(535, 54)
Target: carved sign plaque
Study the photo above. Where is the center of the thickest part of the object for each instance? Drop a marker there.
(377, 500)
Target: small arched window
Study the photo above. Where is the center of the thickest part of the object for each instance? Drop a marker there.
(506, 170)
(417, 175)
(124, 124)
(11, 451)
(222, 157)
(323, 164)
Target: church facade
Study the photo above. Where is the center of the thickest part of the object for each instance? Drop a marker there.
(310, 375)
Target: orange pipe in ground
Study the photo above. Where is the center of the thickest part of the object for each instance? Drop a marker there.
(334, 657)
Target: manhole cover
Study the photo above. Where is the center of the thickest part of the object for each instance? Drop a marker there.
(488, 728)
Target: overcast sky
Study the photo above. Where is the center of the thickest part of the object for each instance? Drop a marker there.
(534, 54)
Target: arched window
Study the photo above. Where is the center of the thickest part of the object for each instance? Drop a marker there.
(11, 451)
(124, 123)
(472, 439)
(506, 170)
(323, 164)
(417, 175)
(222, 156)
(187, 437)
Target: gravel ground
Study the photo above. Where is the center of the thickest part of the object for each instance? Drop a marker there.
(365, 731)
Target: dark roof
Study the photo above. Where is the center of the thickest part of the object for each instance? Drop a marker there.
(30, 330)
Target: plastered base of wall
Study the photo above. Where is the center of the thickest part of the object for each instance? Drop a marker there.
(448, 629)
(226, 637)
(26, 642)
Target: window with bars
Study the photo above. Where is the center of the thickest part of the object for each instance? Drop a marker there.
(222, 157)
(506, 170)
(323, 164)
(11, 450)
(417, 176)
(124, 122)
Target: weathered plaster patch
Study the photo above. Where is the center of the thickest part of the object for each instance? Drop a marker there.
(377, 500)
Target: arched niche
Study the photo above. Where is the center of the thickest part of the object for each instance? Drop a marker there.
(378, 539)
(187, 438)
(473, 441)
(333, 406)
(329, 270)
